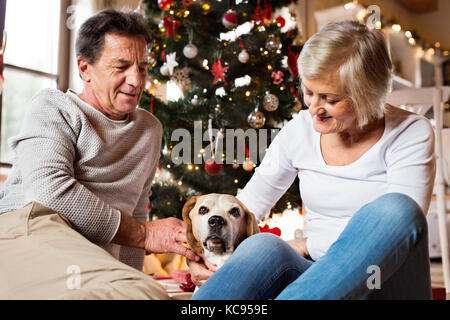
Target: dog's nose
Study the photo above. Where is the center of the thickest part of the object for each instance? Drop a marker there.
(217, 221)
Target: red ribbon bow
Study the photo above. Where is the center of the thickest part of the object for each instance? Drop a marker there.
(276, 231)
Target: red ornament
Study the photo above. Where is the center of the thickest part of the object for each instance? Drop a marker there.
(292, 61)
(280, 21)
(268, 14)
(187, 2)
(165, 4)
(276, 231)
(229, 20)
(218, 71)
(277, 77)
(259, 14)
(171, 25)
(213, 168)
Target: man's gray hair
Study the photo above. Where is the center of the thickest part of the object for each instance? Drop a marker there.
(91, 36)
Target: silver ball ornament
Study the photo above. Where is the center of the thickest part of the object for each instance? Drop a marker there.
(273, 43)
(243, 56)
(190, 51)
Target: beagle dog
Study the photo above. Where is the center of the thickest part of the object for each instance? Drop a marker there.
(216, 225)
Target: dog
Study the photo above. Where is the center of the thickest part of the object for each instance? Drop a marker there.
(216, 225)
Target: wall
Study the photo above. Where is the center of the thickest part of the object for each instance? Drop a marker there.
(431, 27)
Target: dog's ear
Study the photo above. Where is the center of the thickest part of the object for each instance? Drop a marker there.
(252, 225)
(194, 244)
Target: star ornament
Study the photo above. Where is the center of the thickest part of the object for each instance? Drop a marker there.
(218, 71)
(171, 62)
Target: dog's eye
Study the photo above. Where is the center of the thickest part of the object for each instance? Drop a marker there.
(203, 210)
(235, 212)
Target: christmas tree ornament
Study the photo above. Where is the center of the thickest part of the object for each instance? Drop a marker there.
(165, 4)
(243, 55)
(277, 77)
(280, 21)
(212, 167)
(171, 61)
(152, 59)
(270, 102)
(187, 3)
(166, 151)
(230, 20)
(273, 43)
(297, 105)
(292, 62)
(248, 165)
(195, 100)
(181, 77)
(258, 15)
(256, 119)
(267, 13)
(190, 51)
(164, 70)
(171, 25)
(218, 71)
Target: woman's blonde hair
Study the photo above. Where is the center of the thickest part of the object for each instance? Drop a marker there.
(359, 57)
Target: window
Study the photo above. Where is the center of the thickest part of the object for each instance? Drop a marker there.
(37, 41)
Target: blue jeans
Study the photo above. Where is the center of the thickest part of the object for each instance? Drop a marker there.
(386, 240)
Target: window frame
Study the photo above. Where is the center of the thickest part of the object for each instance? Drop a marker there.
(63, 74)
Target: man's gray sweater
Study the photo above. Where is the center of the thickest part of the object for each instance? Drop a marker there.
(76, 161)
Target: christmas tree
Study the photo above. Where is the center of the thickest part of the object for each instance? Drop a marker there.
(229, 69)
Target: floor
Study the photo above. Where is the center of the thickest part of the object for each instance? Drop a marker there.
(437, 275)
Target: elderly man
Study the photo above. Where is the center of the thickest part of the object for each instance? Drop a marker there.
(73, 213)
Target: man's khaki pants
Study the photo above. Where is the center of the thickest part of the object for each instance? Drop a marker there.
(43, 257)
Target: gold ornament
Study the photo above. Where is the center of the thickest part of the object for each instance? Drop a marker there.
(256, 119)
(248, 165)
(271, 102)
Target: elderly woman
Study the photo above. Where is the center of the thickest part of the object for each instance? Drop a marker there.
(366, 173)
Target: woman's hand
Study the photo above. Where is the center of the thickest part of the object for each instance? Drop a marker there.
(201, 271)
(299, 245)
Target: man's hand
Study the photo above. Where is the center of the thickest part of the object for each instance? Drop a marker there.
(299, 245)
(167, 235)
(159, 236)
(201, 271)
